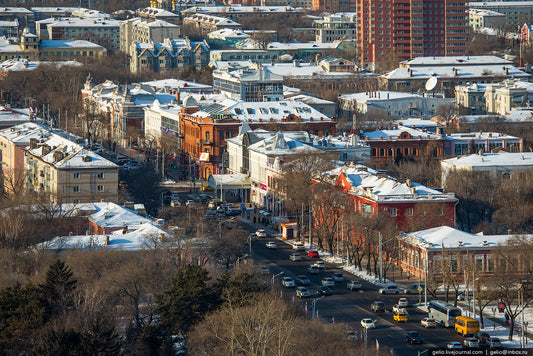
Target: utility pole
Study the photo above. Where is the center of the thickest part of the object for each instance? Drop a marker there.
(426, 280)
(380, 256)
(474, 291)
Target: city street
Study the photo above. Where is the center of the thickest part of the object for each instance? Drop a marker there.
(350, 307)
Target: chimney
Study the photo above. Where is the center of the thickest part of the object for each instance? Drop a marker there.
(107, 240)
(178, 99)
(272, 63)
(33, 143)
(485, 243)
(408, 182)
(45, 150)
(509, 232)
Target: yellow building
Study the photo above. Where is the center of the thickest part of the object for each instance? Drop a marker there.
(68, 172)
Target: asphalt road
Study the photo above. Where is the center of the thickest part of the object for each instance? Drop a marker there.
(350, 307)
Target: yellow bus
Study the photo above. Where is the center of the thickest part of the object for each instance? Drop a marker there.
(466, 326)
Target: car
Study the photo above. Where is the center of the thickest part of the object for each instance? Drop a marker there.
(295, 257)
(313, 253)
(298, 246)
(328, 282)
(175, 203)
(253, 236)
(398, 309)
(377, 306)
(403, 302)
(302, 292)
(494, 342)
(189, 202)
(368, 324)
(313, 269)
(288, 282)
(261, 233)
(390, 289)
(482, 337)
(413, 337)
(323, 290)
(354, 285)
(271, 244)
(337, 277)
(454, 345)
(264, 270)
(471, 342)
(303, 280)
(320, 265)
(400, 317)
(413, 289)
(233, 212)
(428, 323)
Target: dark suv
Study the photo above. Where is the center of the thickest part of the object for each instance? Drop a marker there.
(413, 337)
(482, 338)
(378, 307)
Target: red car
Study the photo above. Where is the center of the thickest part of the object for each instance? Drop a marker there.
(313, 253)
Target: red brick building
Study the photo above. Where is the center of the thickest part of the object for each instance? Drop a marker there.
(411, 206)
(400, 143)
(411, 28)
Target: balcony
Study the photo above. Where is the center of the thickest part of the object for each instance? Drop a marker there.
(206, 142)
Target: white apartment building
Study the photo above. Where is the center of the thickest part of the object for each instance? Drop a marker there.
(336, 27)
(138, 30)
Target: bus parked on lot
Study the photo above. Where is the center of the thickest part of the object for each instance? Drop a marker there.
(466, 326)
(444, 313)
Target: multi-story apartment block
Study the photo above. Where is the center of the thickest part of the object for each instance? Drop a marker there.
(516, 12)
(9, 28)
(30, 47)
(479, 19)
(138, 30)
(248, 84)
(68, 172)
(335, 27)
(154, 13)
(173, 53)
(410, 29)
(474, 142)
(450, 72)
(12, 143)
(105, 31)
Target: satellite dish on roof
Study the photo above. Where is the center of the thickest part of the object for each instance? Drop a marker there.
(431, 83)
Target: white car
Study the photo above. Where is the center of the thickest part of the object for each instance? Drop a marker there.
(320, 264)
(288, 282)
(264, 270)
(302, 292)
(354, 285)
(368, 324)
(403, 302)
(471, 342)
(295, 257)
(261, 233)
(391, 289)
(454, 345)
(328, 282)
(271, 244)
(298, 246)
(428, 323)
(313, 269)
(398, 309)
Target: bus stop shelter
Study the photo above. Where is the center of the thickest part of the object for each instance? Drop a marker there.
(234, 187)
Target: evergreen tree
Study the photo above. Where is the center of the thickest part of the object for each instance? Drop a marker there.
(59, 343)
(59, 286)
(187, 300)
(100, 338)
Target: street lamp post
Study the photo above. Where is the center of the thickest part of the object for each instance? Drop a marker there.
(380, 249)
(314, 305)
(274, 276)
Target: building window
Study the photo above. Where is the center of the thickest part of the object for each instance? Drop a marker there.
(75, 188)
(409, 211)
(100, 188)
(367, 209)
(76, 175)
(393, 212)
(101, 175)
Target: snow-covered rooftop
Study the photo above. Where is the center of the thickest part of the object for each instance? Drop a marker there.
(450, 238)
(467, 136)
(500, 159)
(365, 181)
(410, 122)
(68, 44)
(395, 132)
(174, 84)
(74, 156)
(228, 33)
(81, 22)
(21, 134)
(19, 64)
